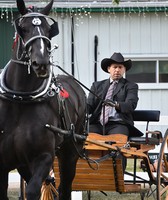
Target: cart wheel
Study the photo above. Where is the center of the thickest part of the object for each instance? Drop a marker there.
(162, 169)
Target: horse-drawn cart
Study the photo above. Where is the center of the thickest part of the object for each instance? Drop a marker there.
(101, 168)
(27, 144)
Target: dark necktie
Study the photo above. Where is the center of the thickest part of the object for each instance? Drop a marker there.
(105, 111)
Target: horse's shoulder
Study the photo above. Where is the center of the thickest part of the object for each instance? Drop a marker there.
(64, 78)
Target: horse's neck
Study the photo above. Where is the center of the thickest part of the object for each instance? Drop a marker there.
(19, 78)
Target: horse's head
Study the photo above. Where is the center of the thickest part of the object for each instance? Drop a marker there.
(35, 31)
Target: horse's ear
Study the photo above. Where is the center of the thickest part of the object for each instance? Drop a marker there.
(21, 7)
(47, 9)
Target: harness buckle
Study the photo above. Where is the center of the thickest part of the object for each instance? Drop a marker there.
(50, 93)
(17, 97)
(54, 89)
(73, 132)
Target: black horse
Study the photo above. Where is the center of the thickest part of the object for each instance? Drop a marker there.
(32, 99)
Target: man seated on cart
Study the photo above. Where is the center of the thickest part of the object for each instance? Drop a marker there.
(112, 101)
(123, 97)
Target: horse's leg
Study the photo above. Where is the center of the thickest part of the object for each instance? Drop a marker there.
(3, 184)
(67, 167)
(40, 170)
(24, 173)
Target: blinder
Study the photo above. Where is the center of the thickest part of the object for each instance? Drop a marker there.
(17, 27)
(54, 30)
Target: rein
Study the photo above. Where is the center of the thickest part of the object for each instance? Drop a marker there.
(107, 102)
(78, 82)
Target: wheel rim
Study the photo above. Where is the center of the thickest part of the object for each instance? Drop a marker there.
(162, 168)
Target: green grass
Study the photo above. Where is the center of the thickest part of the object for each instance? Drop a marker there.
(130, 165)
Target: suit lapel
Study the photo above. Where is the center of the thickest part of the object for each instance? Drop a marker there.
(103, 90)
(105, 87)
(119, 86)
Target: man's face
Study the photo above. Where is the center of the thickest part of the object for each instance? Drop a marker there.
(116, 71)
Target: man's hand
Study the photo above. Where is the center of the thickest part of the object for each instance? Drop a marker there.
(109, 102)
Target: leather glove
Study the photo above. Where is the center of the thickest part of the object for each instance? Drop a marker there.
(110, 102)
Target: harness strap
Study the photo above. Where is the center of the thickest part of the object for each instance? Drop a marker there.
(37, 37)
(20, 62)
(115, 173)
(26, 97)
(112, 155)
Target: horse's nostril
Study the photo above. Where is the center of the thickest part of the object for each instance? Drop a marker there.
(41, 70)
(35, 64)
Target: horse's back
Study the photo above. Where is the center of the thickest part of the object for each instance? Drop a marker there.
(71, 86)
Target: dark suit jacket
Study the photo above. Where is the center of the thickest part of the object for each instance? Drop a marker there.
(126, 94)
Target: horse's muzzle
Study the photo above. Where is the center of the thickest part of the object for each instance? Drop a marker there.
(42, 71)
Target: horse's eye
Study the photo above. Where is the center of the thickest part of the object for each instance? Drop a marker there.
(24, 30)
(22, 27)
(49, 29)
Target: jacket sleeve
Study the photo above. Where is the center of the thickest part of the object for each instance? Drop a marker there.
(129, 104)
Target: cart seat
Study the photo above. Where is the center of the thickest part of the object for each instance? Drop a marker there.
(144, 140)
(147, 116)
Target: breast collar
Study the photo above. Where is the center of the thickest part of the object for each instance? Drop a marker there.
(47, 90)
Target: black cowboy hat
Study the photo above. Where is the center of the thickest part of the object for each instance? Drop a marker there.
(115, 58)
